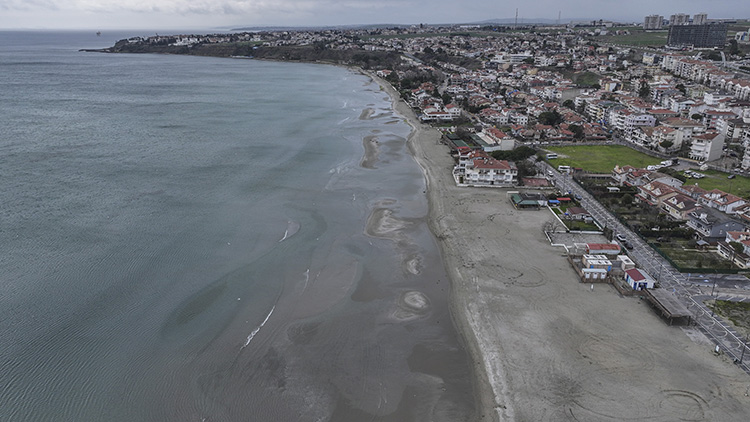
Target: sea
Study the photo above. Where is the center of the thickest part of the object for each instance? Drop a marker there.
(202, 239)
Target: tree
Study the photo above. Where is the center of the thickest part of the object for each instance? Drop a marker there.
(737, 246)
(577, 131)
(644, 91)
(681, 88)
(626, 199)
(569, 104)
(696, 116)
(581, 107)
(667, 144)
(550, 118)
(733, 47)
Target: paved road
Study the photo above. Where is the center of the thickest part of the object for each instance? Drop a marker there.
(692, 293)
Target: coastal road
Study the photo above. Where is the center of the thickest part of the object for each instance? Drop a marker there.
(691, 294)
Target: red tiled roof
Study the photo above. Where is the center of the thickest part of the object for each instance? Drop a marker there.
(603, 246)
(635, 274)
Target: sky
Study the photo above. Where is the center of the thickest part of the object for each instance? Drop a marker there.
(226, 14)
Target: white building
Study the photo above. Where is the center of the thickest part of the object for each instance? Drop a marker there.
(707, 147)
(653, 22)
(639, 279)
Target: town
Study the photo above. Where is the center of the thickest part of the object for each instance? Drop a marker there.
(666, 101)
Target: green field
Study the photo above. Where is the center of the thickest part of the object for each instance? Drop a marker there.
(739, 186)
(637, 37)
(600, 158)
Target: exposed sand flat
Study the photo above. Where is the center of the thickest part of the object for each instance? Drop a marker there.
(372, 152)
(546, 347)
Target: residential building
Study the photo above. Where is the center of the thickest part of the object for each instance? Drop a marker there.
(679, 19)
(711, 225)
(700, 19)
(486, 171)
(679, 206)
(722, 201)
(653, 22)
(739, 255)
(655, 193)
(706, 147)
(700, 36)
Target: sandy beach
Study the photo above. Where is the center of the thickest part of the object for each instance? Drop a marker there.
(546, 347)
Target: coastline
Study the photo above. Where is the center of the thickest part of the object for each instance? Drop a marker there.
(434, 159)
(543, 346)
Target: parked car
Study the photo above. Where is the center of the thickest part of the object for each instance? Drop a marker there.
(621, 238)
(628, 245)
(731, 176)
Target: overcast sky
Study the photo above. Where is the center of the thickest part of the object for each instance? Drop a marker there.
(214, 14)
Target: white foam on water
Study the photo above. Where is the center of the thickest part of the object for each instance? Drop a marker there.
(292, 227)
(307, 278)
(257, 329)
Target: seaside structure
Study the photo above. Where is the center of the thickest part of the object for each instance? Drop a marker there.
(477, 168)
(639, 279)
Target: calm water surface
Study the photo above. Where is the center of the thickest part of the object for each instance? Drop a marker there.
(184, 239)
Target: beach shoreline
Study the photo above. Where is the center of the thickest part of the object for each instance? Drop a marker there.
(543, 346)
(420, 136)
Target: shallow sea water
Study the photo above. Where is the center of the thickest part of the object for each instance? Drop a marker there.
(184, 239)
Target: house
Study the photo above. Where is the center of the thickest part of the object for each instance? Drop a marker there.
(693, 191)
(722, 201)
(655, 193)
(578, 213)
(639, 279)
(489, 172)
(620, 173)
(679, 206)
(711, 225)
(739, 255)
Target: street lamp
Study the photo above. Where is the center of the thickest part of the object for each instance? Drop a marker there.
(713, 287)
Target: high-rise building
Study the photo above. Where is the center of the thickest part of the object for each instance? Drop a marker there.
(653, 22)
(701, 36)
(679, 19)
(700, 18)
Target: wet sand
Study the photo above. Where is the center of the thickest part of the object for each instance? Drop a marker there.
(372, 152)
(544, 346)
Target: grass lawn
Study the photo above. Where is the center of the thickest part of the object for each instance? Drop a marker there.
(739, 186)
(691, 258)
(737, 312)
(600, 158)
(638, 37)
